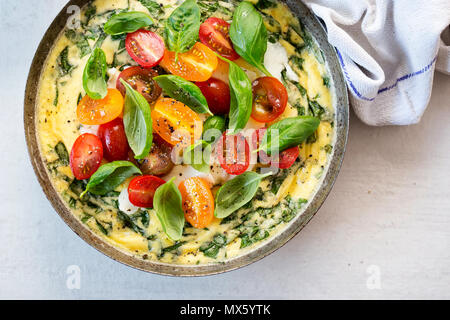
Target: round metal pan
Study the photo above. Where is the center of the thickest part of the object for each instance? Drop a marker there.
(341, 124)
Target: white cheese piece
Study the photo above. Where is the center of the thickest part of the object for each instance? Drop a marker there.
(113, 74)
(184, 172)
(276, 60)
(89, 129)
(124, 203)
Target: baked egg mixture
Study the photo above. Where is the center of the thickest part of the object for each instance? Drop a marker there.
(117, 87)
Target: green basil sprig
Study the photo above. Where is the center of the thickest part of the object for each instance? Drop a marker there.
(198, 155)
(289, 132)
(94, 82)
(182, 27)
(241, 98)
(168, 206)
(127, 22)
(249, 35)
(109, 176)
(137, 121)
(237, 192)
(184, 91)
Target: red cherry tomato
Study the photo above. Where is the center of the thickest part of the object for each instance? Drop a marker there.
(145, 47)
(217, 94)
(86, 156)
(215, 33)
(269, 99)
(286, 158)
(141, 80)
(142, 190)
(233, 152)
(114, 140)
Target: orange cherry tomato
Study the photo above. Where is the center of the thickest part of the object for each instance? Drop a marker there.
(97, 112)
(198, 64)
(198, 202)
(176, 123)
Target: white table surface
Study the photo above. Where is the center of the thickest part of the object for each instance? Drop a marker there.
(384, 231)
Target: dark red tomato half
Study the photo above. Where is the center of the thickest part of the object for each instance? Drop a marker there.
(142, 190)
(114, 140)
(270, 99)
(233, 152)
(142, 81)
(217, 94)
(145, 47)
(287, 158)
(215, 33)
(86, 156)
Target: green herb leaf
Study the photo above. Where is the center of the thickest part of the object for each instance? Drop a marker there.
(94, 82)
(167, 203)
(241, 98)
(182, 27)
(237, 192)
(184, 91)
(289, 132)
(196, 154)
(127, 22)
(63, 62)
(109, 176)
(62, 153)
(152, 6)
(137, 121)
(249, 35)
(213, 128)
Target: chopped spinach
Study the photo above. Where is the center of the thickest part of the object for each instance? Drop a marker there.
(266, 4)
(316, 109)
(153, 7)
(80, 41)
(63, 62)
(211, 249)
(297, 61)
(173, 248)
(62, 153)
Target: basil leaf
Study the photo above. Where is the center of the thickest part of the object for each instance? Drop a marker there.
(109, 176)
(249, 35)
(137, 121)
(127, 22)
(94, 82)
(241, 98)
(213, 128)
(196, 154)
(237, 192)
(289, 132)
(184, 91)
(167, 203)
(182, 27)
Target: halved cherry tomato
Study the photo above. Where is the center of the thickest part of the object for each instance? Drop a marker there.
(159, 161)
(269, 99)
(114, 140)
(287, 158)
(141, 80)
(145, 47)
(141, 190)
(96, 112)
(198, 64)
(233, 152)
(86, 156)
(215, 33)
(217, 94)
(198, 202)
(176, 123)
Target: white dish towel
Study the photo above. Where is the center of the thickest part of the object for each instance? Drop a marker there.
(388, 50)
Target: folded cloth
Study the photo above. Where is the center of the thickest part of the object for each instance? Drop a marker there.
(388, 50)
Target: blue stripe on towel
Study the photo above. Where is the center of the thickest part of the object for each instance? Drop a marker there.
(359, 95)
